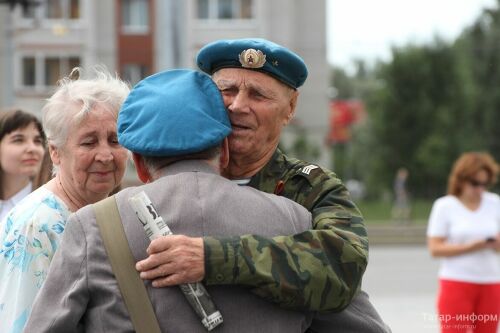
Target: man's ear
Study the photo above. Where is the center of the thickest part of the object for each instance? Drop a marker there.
(140, 167)
(292, 106)
(224, 154)
(54, 155)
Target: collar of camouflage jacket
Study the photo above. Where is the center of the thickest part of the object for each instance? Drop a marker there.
(267, 177)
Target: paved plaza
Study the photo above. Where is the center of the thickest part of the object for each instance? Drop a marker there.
(402, 284)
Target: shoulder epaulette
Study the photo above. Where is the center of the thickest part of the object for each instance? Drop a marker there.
(306, 170)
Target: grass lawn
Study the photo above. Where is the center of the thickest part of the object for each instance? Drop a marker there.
(380, 211)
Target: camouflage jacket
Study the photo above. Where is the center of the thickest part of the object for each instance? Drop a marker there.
(319, 269)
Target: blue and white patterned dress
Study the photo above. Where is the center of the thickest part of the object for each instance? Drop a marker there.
(28, 239)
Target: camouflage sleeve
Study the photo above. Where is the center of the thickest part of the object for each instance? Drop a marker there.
(319, 269)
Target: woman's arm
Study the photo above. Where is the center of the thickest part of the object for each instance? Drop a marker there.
(439, 247)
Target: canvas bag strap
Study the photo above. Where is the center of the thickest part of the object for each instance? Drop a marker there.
(132, 288)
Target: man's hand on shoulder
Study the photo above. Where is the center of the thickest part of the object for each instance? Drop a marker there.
(173, 260)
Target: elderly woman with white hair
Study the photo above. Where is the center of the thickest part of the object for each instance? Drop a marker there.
(80, 124)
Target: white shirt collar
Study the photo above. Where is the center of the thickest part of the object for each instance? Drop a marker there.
(244, 181)
(7, 205)
(21, 194)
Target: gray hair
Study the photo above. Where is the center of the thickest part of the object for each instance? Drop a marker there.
(75, 98)
(156, 164)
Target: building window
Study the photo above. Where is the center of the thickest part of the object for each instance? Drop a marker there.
(52, 69)
(133, 73)
(62, 9)
(58, 67)
(246, 9)
(29, 13)
(225, 9)
(54, 9)
(28, 68)
(74, 9)
(72, 63)
(135, 16)
(203, 9)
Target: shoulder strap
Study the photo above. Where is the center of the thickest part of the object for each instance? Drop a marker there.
(122, 262)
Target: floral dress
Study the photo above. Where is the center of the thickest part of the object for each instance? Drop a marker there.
(28, 240)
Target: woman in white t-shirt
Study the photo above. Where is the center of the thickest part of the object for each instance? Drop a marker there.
(464, 230)
(22, 148)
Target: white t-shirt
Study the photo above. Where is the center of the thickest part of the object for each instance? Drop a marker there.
(458, 224)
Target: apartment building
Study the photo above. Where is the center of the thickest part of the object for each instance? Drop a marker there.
(41, 45)
(140, 37)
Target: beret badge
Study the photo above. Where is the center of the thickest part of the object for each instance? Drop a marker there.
(252, 58)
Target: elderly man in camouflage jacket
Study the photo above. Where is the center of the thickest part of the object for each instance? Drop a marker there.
(317, 270)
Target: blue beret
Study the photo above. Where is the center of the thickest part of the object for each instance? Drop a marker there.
(256, 54)
(173, 113)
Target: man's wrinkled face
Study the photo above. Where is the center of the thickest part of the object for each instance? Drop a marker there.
(258, 105)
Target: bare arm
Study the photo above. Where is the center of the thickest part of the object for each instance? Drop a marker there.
(439, 247)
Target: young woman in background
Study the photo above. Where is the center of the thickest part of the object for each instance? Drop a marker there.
(22, 148)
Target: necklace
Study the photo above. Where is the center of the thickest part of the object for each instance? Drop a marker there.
(67, 196)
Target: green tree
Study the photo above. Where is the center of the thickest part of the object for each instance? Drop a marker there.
(417, 116)
(426, 106)
(480, 52)
(343, 83)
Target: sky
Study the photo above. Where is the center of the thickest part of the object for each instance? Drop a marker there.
(367, 28)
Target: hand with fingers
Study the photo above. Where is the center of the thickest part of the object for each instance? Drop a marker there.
(494, 243)
(173, 260)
